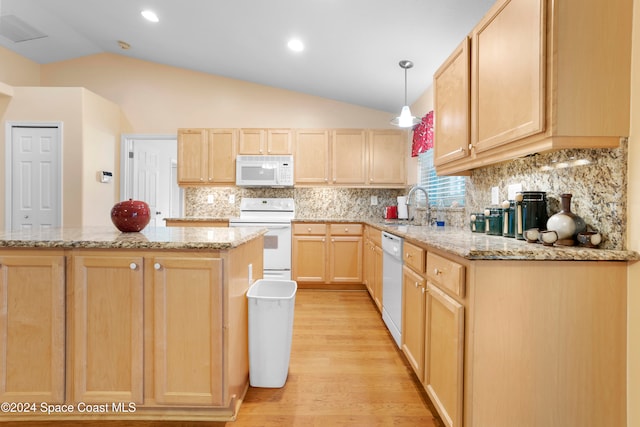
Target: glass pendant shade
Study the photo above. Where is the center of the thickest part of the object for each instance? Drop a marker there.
(405, 119)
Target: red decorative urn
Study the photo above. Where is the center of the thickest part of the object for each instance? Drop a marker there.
(130, 215)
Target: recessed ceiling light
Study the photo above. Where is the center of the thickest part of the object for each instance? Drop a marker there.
(295, 45)
(150, 15)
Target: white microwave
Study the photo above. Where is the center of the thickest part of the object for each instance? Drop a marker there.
(264, 171)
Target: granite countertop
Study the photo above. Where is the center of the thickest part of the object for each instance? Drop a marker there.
(474, 246)
(480, 246)
(108, 237)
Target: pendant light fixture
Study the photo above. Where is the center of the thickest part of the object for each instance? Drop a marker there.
(405, 119)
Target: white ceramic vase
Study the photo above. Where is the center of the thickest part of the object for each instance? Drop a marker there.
(565, 223)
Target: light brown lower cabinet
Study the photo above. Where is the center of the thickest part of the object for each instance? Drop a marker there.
(32, 322)
(506, 342)
(327, 254)
(433, 328)
(413, 319)
(345, 253)
(187, 301)
(372, 259)
(106, 328)
(309, 253)
(444, 354)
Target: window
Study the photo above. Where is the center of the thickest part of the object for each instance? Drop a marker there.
(449, 189)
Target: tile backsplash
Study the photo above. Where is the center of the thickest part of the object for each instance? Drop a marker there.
(597, 179)
(313, 202)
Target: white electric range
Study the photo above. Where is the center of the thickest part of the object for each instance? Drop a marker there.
(274, 214)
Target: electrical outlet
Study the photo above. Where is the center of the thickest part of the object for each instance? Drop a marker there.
(495, 195)
(232, 199)
(374, 200)
(512, 190)
(210, 198)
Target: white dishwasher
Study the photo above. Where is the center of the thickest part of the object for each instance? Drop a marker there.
(392, 285)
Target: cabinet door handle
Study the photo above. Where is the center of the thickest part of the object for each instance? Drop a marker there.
(436, 271)
(309, 229)
(408, 255)
(417, 284)
(346, 230)
(133, 266)
(157, 266)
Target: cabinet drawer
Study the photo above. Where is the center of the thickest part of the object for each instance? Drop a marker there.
(445, 273)
(314, 229)
(414, 257)
(346, 229)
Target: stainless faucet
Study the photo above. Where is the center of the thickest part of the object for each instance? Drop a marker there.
(426, 196)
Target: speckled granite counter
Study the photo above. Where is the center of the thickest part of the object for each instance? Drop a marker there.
(218, 238)
(479, 246)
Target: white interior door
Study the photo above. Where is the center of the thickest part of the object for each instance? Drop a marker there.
(153, 179)
(35, 178)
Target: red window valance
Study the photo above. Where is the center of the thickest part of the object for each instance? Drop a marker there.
(423, 135)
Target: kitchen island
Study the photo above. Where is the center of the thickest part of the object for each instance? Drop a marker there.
(98, 324)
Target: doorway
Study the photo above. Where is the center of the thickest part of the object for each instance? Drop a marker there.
(149, 166)
(33, 176)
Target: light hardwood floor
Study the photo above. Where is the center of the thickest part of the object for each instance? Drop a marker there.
(345, 370)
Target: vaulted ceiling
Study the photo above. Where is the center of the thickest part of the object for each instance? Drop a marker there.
(352, 47)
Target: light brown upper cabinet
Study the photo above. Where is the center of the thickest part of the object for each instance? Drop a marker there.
(348, 160)
(351, 157)
(508, 74)
(451, 97)
(312, 148)
(387, 155)
(207, 156)
(545, 75)
(265, 141)
(192, 156)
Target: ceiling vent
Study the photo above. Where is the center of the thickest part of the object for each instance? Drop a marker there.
(16, 30)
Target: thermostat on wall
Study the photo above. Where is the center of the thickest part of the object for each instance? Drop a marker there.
(104, 176)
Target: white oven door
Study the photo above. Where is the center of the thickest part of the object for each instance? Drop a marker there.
(277, 248)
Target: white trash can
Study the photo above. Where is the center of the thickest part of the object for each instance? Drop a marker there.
(271, 305)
